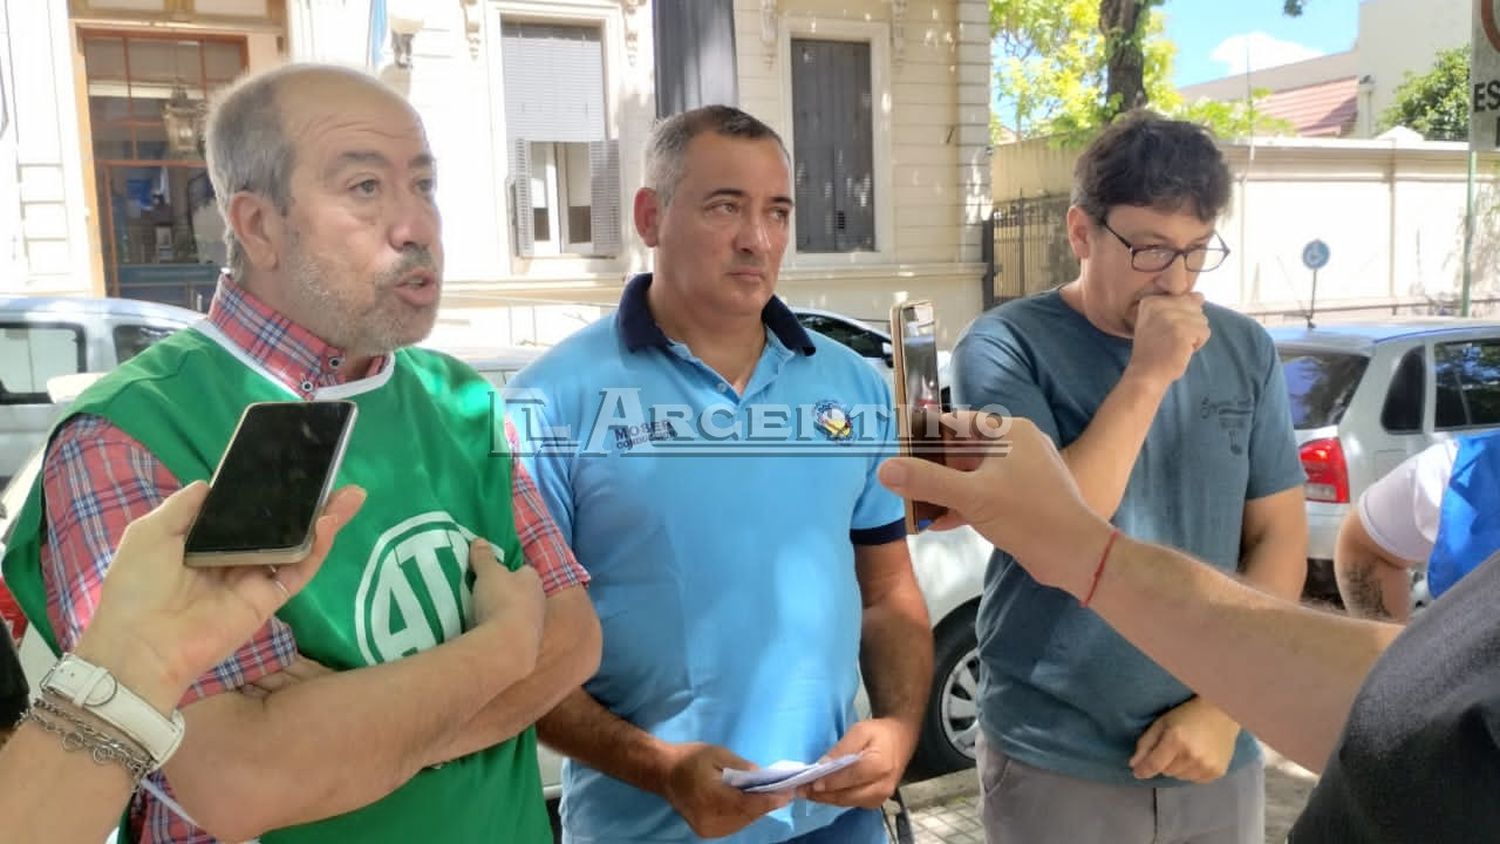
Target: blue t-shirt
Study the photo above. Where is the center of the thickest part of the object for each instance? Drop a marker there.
(1059, 689)
(719, 532)
(1468, 532)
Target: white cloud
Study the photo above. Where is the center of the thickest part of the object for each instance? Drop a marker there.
(1259, 50)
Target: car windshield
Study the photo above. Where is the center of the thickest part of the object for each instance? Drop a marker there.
(1320, 384)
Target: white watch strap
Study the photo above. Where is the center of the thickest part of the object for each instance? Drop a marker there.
(96, 691)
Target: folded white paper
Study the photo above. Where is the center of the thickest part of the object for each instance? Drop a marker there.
(785, 775)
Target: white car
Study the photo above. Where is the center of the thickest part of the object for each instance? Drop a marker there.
(1367, 395)
(43, 338)
(870, 339)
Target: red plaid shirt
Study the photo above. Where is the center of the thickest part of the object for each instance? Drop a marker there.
(97, 479)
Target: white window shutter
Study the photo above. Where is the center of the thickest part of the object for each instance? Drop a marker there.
(520, 197)
(604, 212)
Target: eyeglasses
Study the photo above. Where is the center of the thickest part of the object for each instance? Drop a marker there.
(1155, 259)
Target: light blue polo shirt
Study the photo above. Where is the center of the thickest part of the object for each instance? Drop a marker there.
(719, 531)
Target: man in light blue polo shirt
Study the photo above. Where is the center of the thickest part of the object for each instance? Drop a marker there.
(713, 466)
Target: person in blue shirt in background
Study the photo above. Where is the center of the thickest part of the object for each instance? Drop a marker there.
(1436, 509)
(1173, 418)
(713, 466)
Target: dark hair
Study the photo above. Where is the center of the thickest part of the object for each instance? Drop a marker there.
(667, 148)
(1146, 160)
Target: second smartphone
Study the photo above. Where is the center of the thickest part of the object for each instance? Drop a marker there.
(919, 399)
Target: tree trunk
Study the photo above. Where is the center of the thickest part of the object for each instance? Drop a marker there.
(1125, 84)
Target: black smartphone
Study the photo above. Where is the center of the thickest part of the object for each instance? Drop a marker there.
(919, 397)
(271, 484)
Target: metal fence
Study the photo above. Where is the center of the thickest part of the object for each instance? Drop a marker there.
(1030, 249)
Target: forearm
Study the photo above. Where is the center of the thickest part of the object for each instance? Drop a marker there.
(569, 655)
(1371, 585)
(250, 765)
(1276, 562)
(581, 728)
(1102, 457)
(895, 658)
(50, 794)
(1295, 671)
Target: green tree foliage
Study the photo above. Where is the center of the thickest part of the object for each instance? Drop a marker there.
(1051, 69)
(1436, 104)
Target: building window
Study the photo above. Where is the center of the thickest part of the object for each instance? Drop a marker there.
(562, 203)
(162, 234)
(833, 146)
(565, 171)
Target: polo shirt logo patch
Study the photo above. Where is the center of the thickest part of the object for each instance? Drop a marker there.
(833, 421)
(630, 436)
(415, 591)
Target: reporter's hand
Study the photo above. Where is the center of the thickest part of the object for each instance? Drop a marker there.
(1004, 477)
(1168, 331)
(511, 598)
(695, 788)
(1193, 741)
(161, 624)
(887, 745)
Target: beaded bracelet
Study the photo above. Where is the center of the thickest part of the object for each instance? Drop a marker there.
(103, 748)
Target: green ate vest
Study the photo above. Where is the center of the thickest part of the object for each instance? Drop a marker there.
(429, 449)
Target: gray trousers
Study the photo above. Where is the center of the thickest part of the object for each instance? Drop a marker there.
(1022, 804)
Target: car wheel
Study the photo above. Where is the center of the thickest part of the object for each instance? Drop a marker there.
(952, 721)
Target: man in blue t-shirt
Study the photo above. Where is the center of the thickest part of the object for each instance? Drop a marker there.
(713, 465)
(1173, 418)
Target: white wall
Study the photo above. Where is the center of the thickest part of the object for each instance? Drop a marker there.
(44, 225)
(1391, 214)
(12, 253)
(1397, 36)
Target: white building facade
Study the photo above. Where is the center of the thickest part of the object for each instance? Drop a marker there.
(538, 106)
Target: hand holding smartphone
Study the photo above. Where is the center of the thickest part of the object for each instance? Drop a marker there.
(271, 484)
(919, 402)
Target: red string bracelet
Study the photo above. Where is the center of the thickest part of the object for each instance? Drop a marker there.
(1099, 570)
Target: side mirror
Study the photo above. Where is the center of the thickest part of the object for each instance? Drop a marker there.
(887, 354)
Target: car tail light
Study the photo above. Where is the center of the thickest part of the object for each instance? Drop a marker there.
(1327, 473)
(12, 620)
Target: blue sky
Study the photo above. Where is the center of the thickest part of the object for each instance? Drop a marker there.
(1211, 34)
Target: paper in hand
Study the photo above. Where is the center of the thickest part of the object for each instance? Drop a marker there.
(784, 775)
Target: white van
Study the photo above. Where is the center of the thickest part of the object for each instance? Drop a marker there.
(43, 338)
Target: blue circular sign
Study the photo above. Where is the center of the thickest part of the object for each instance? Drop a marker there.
(1315, 255)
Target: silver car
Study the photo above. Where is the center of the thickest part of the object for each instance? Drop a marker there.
(1367, 395)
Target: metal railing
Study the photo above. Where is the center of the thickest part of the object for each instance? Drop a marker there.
(1028, 249)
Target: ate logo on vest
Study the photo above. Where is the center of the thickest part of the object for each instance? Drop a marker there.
(414, 593)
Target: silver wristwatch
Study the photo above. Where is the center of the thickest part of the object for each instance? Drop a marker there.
(96, 691)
